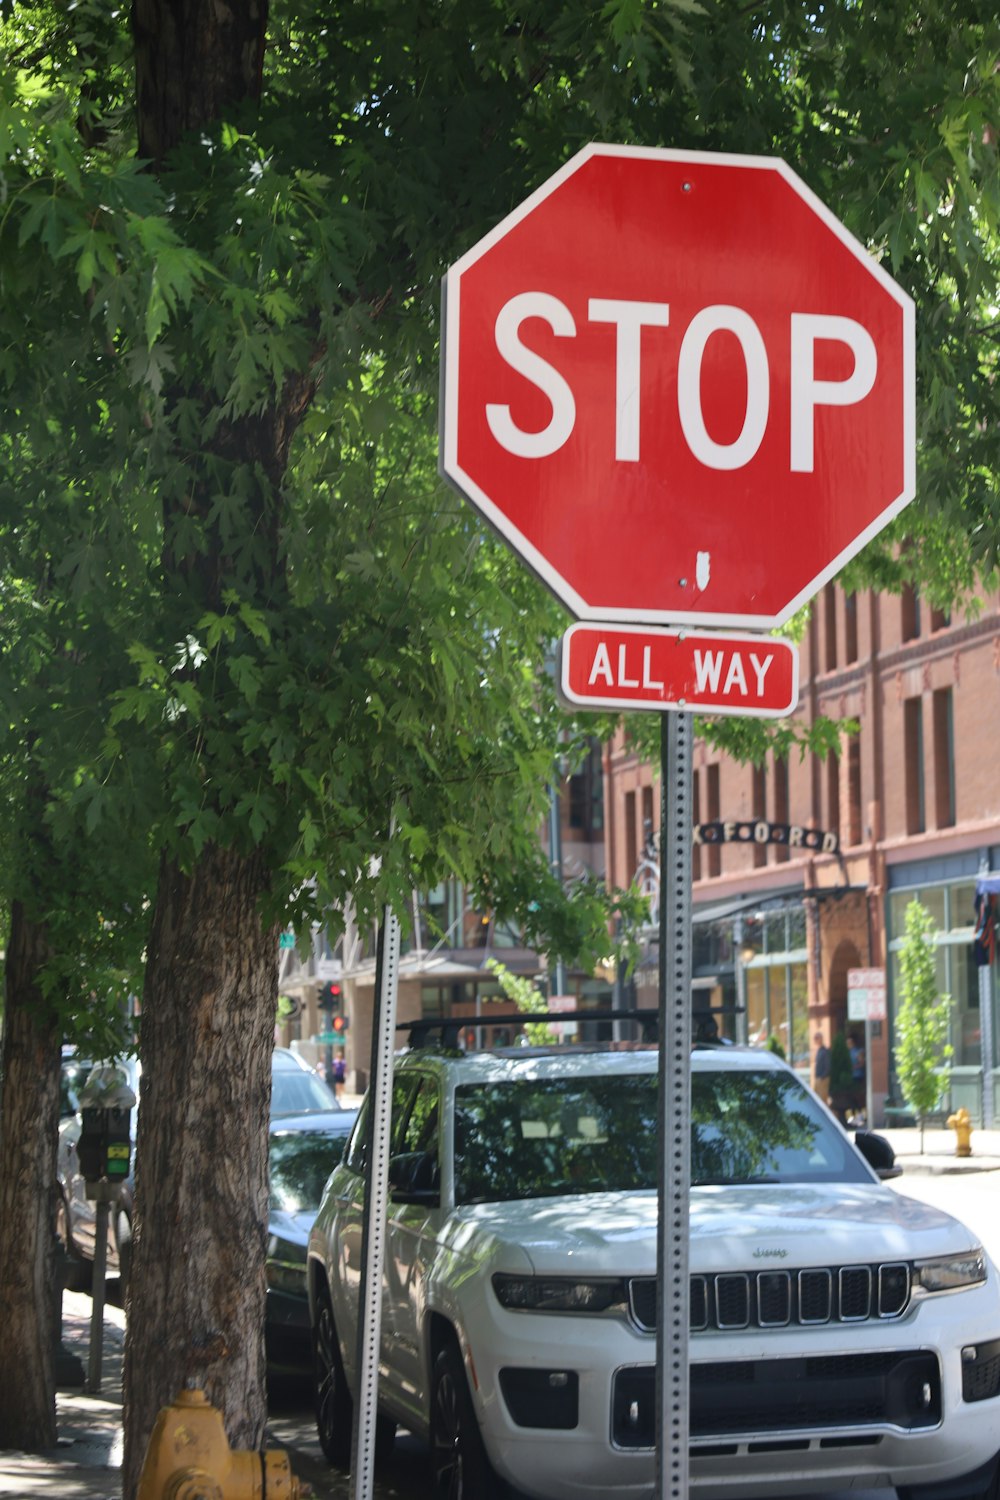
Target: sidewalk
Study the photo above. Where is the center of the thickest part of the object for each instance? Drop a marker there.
(938, 1155)
(86, 1462)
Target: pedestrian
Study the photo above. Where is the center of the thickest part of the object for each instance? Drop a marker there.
(857, 1052)
(821, 1068)
(339, 1073)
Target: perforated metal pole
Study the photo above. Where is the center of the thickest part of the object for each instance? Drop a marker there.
(98, 1287)
(672, 1292)
(375, 1210)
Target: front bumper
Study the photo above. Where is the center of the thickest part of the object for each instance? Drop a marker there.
(775, 1411)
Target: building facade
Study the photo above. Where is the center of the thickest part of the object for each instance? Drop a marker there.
(447, 945)
(802, 868)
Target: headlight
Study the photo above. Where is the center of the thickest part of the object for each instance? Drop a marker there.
(559, 1294)
(951, 1272)
(286, 1267)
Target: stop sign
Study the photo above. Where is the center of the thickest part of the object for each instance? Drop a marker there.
(678, 386)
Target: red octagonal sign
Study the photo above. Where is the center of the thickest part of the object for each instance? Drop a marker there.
(679, 387)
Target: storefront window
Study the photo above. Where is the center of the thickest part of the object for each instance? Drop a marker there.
(967, 1034)
(798, 983)
(952, 909)
(757, 1017)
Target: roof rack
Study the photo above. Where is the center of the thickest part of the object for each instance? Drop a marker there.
(447, 1030)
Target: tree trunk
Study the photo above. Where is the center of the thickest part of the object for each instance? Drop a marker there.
(29, 1124)
(195, 60)
(196, 1305)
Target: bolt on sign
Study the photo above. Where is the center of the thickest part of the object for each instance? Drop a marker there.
(679, 387)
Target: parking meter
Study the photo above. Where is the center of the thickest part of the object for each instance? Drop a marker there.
(105, 1143)
(103, 1150)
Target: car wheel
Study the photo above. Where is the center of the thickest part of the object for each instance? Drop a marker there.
(334, 1407)
(460, 1467)
(123, 1239)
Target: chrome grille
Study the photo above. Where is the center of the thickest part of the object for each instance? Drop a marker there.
(778, 1299)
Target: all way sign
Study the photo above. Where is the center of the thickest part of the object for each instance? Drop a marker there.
(624, 666)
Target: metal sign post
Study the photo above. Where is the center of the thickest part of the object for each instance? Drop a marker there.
(375, 1209)
(672, 1290)
(104, 1194)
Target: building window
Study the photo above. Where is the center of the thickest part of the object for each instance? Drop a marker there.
(833, 794)
(696, 819)
(940, 619)
(952, 908)
(758, 810)
(852, 823)
(714, 850)
(913, 766)
(648, 826)
(631, 839)
(586, 797)
(776, 983)
(830, 627)
(779, 778)
(944, 759)
(910, 608)
(850, 627)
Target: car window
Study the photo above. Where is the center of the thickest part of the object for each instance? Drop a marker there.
(296, 1092)
(552, 1136)
(764, 1126)
(300, 1162)
(543, 1137)
(420, 1128)
(404, 1086)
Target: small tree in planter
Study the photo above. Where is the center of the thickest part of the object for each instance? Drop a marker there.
(921, 1019)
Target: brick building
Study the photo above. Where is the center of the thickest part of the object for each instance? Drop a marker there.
(803, 869)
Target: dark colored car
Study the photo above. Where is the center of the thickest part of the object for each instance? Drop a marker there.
(295, 1090)
(303, 1151)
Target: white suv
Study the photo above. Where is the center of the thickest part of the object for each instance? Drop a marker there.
(842, 1334)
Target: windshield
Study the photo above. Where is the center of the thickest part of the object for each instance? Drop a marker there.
(300, 1163)
(552, 1136)
(296, 1092)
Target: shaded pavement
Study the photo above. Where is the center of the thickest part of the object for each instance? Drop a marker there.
(86, 1462)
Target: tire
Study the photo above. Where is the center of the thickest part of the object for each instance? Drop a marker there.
(334, 1407)
(460, 1469)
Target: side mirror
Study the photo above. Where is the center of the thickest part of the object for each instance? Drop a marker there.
(414, 1178)
(877, 1153)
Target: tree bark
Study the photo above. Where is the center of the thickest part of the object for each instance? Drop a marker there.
(29, 1123)
(196, 1305)
(195, 60)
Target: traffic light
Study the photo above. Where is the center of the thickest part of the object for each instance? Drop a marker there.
(340, 1024)
(330, 997)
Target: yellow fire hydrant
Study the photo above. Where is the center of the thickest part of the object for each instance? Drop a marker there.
(961, 1123)
(189, 1458)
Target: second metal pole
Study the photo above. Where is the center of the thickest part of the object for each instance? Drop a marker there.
(376, 1209)
(673, 1297)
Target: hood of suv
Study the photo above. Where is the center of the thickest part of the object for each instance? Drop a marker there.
(743, 1228)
